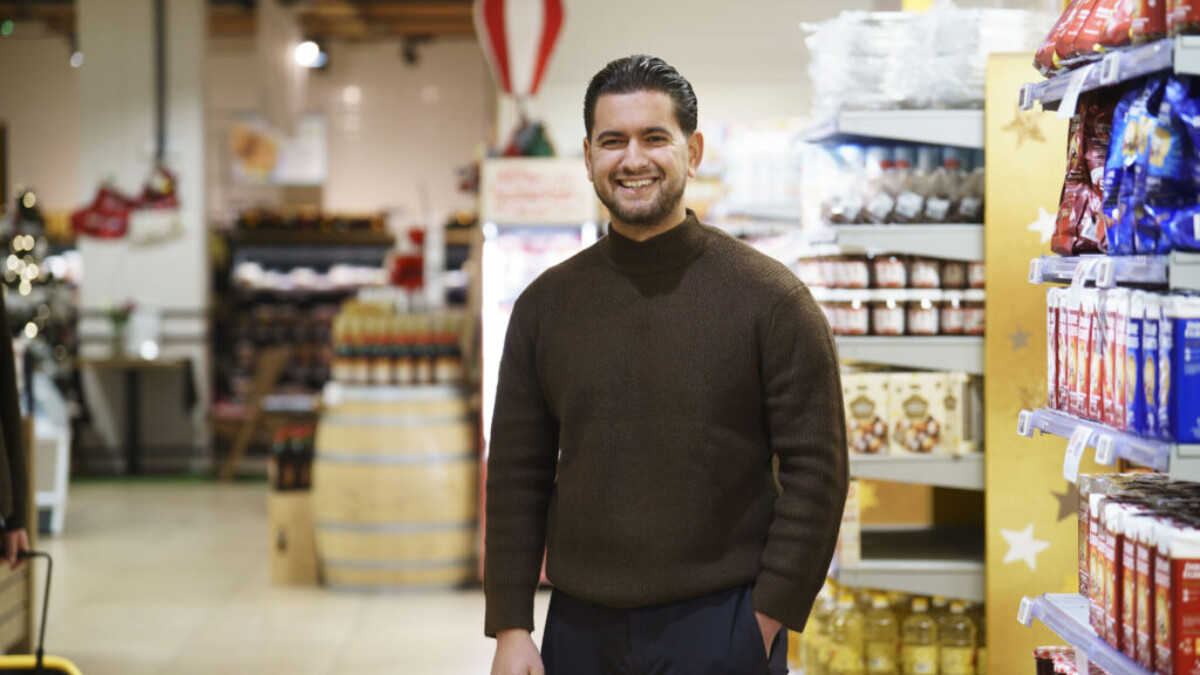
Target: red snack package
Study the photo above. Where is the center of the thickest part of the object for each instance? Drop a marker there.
(1149, 21)
(1044, 60)
(1184, 18)
(1064, 50)
(1087, 41)
(1116, 33)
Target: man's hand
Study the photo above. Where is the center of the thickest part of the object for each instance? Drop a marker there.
(769, 628)
(516, 654)
(13, 543)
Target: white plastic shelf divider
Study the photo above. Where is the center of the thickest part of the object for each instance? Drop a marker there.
(1067, 615)
(950, 241)
(1181, 54)
(964, 472)
(1178, 271)
(940, 352)
(960, 128)
(1181, 462)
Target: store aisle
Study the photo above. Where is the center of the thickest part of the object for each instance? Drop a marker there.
(173, 580)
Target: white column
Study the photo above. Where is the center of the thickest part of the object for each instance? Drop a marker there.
(117, 136)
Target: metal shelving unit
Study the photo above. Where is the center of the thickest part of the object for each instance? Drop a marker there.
(1067, 615)
(950, 241)
(821, 294)
(923, 562)
(934, 352)
(1181, 54)
(960, 128)
(1180, 462)
(964, 472)
(1178, 271)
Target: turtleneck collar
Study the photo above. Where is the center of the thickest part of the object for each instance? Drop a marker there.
(671, 249)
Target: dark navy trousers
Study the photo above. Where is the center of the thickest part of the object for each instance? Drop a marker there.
(711, 635)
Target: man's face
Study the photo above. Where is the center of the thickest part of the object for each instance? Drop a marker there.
(639, 159)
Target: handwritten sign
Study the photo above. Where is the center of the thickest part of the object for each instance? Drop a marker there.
(536, 191)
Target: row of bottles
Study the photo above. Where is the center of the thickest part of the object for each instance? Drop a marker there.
(372, 346)
(905, 184)
(289, 466)
(869, 636)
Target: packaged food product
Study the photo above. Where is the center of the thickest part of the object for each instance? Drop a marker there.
(1178, 601)
(1120, 148)
(1118, 299)
(1087, 42)
(1160, 563)
(890, 271)
(1182, 228)
(1150, 327)
(1169, 180)
(925, 273)
(866, 399)
(1082, 518)
(1120, 24)
(1185, 370)
(849, 544)
(888, 317)
(853, 273)
(1135, 402)
(1073, 198)
(1074, 307)
(1140, 124)
(855, 318)
(1066, 357)
(1065, 48)
(1045, 60)
(1096, 561)
(1144, 611)
(954, 274)
(1149, 21)
(1052, 297)
(917, 413)
(963, 427)
(1129, 580)
(1166, 331)
(1108, 324)
(953, 313)
(973, 315)
(1185, 17)
(1083, 353)
(1114, 568)
(976, 274)
(922, 317)
(1096, 350)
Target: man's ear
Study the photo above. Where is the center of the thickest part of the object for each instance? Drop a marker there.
(695, 145)
(587, 157)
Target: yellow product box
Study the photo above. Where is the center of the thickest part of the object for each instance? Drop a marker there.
(866, 399)
(849, 546)
(917, 413)
(963, 427)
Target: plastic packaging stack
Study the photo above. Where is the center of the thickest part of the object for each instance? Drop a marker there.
(936, 59)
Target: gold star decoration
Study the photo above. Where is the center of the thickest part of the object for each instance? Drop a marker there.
(1030, 398)
(1026, 125)
(1068, 502)
(868, 497)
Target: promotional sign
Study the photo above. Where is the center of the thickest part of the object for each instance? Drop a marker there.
(536, 191)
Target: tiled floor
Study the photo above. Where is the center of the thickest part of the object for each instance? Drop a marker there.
(173, 580)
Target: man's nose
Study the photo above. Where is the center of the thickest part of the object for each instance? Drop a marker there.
(635, 157)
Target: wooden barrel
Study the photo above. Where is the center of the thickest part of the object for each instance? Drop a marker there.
(395, 488)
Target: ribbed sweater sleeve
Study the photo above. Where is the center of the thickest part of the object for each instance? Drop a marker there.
(803, 400)
(10, 419)
(521, 467)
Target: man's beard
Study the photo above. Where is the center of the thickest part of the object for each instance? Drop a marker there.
(644, 214)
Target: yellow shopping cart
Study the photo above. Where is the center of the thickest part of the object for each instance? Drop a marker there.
(39, 663)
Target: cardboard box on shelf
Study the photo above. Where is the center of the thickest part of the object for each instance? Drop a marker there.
(917, 415)
(866, 399)
(963, 426)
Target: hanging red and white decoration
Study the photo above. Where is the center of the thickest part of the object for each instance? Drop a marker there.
(518, 37)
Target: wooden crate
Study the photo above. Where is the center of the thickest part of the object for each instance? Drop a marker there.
(293, 542)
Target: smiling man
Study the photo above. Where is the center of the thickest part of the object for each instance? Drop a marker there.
(646, 388)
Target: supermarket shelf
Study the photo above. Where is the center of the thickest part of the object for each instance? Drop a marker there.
(1181, 462)
(1178, 271)
(923, 562)
(964, 472)
(1181, 54)
(954, 242)
(313, 238)
(1067, 615)
(961, 128)
(963, 353)
(785, 212)
(821, 294)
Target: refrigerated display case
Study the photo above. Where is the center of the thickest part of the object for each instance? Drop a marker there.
(535, 213)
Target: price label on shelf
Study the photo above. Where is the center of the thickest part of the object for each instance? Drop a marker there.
(1070, 99)
(1025, 100)
(1035, 271)
(1025, 424)
(1025, 612)
(1110, 68)
(1104, 450)
(1081, 661)
(1106, 274)
(1075, 447)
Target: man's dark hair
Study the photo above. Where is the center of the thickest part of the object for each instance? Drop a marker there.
(642, 73)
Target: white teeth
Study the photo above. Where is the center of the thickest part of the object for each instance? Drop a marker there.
(636, 183)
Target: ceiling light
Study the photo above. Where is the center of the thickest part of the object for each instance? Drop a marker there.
(76, 58)
(307, 54)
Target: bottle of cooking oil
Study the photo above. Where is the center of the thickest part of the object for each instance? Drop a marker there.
(846, 636)
(881, 638)
(939, 609)
(816, 633)
(958, 642)
(919, 653)
(979, 615)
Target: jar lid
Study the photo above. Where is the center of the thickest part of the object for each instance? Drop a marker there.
(975, 295)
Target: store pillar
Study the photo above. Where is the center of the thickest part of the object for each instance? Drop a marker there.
(131, 113)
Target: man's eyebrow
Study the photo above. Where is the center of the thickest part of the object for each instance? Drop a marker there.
(610, 133)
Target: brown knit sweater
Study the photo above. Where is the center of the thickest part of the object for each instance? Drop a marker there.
(643, 390)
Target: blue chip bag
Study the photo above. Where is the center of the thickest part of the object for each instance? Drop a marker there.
(1114, 172)
(1183, 229)
(1135, 154)
(1169, 182)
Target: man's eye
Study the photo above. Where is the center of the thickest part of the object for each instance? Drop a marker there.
(657, 139)
(610, 143)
